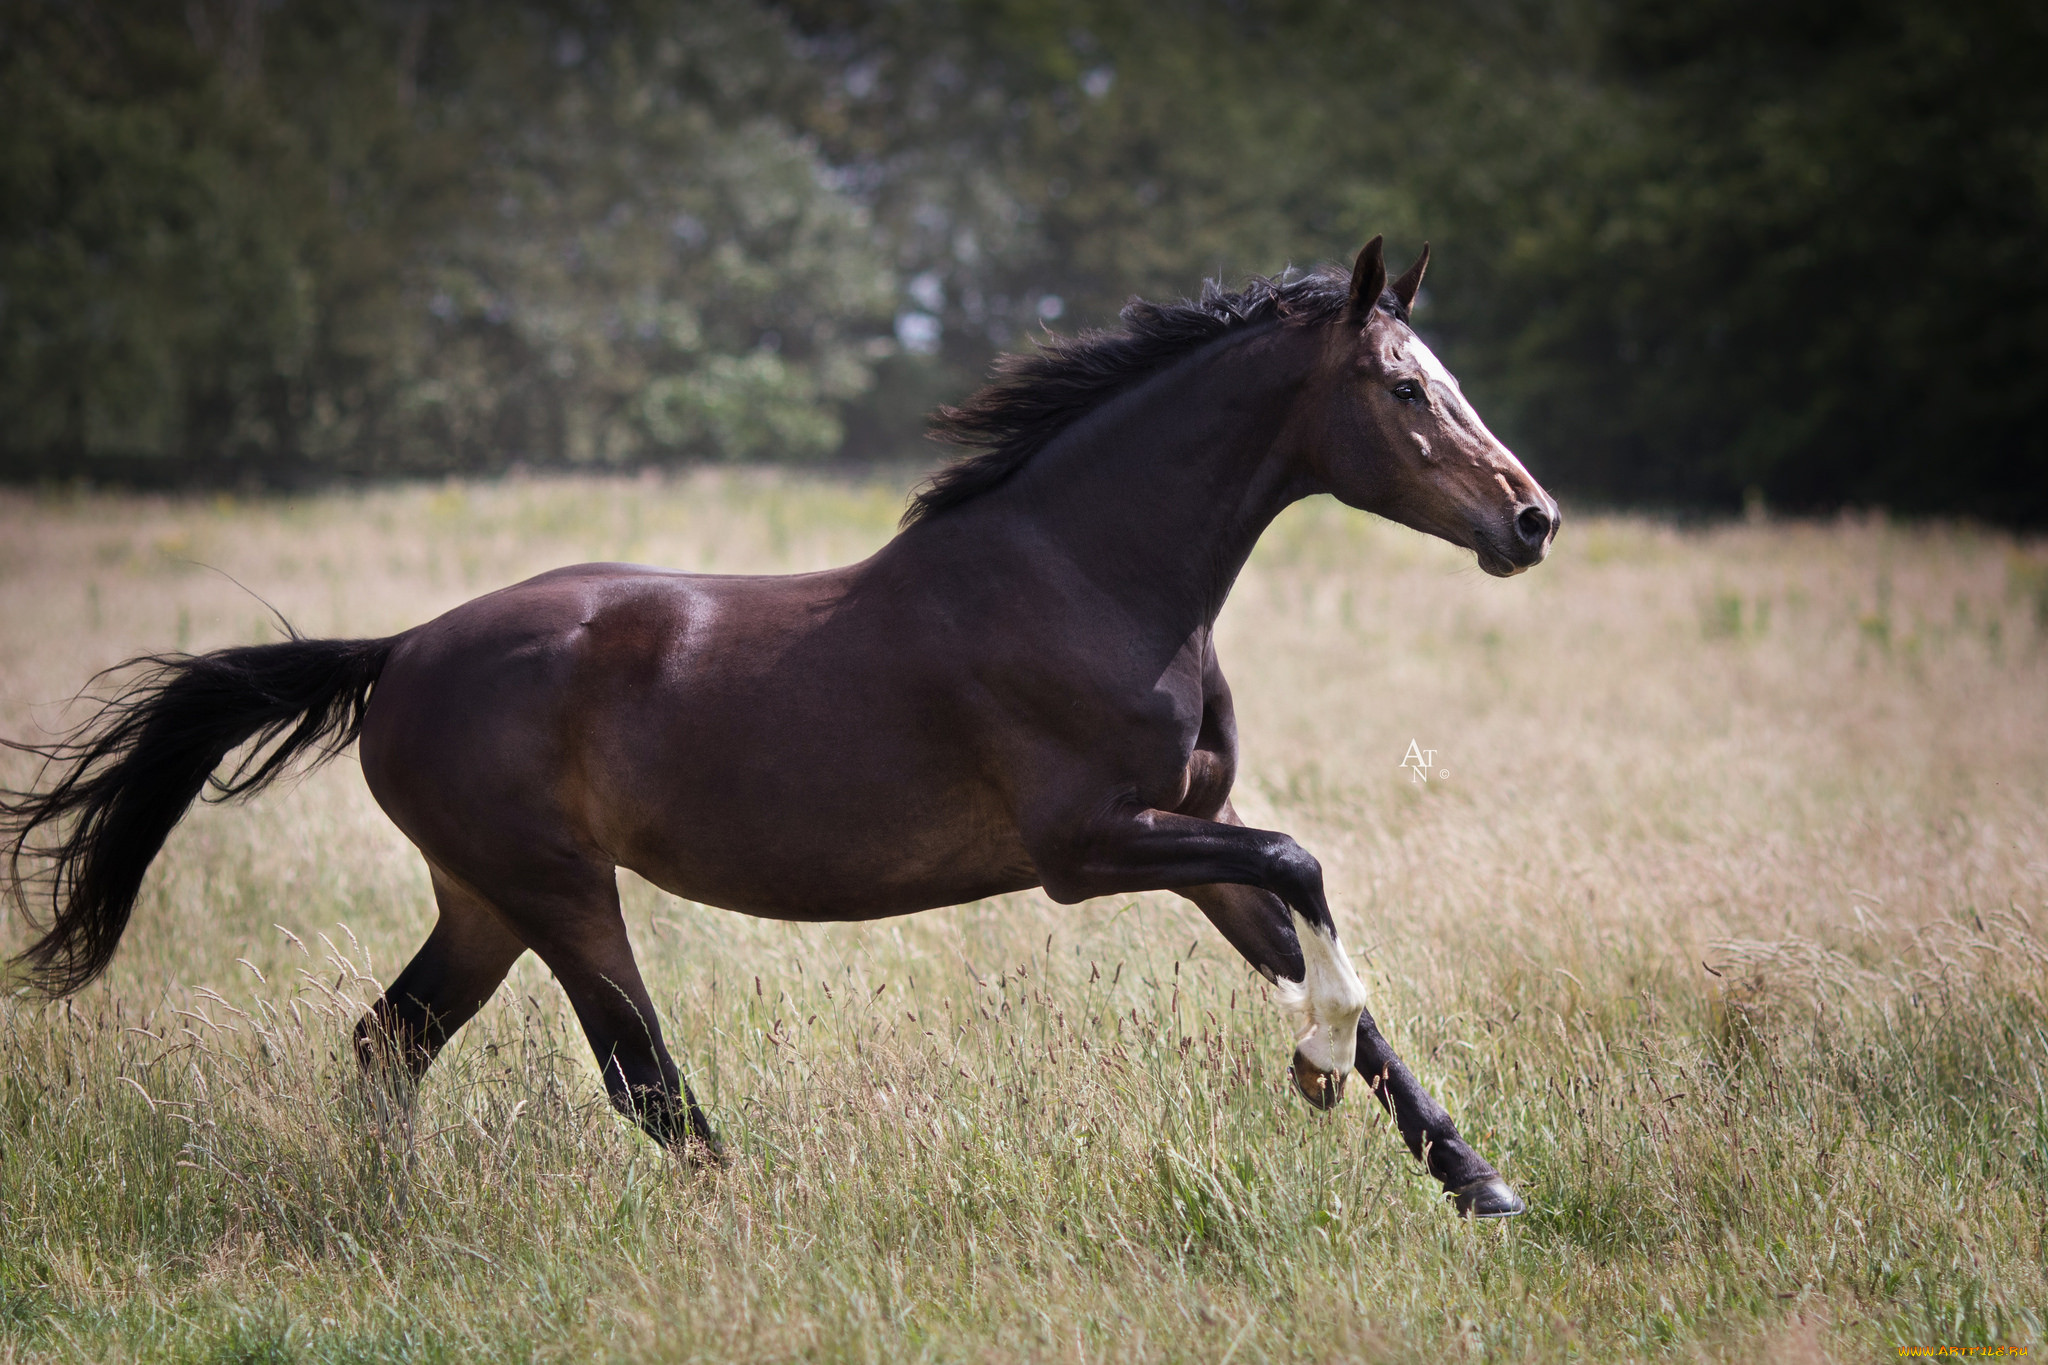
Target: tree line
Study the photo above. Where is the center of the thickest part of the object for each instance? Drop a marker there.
(1685, 255)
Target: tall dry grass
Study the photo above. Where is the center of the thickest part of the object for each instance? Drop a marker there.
(1720, 925)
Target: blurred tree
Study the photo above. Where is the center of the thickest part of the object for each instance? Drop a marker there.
(150, 285)
(647, 263)
(1041, 161)
(421, 236)
(1684, 253)
(1795, 252)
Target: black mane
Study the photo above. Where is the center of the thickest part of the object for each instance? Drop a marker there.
(1033, 397)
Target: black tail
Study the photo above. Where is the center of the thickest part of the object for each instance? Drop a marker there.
(126, 777)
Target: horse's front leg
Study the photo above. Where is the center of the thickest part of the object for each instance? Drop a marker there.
(1125, 846)
(1257, 925)
(1429, 1132)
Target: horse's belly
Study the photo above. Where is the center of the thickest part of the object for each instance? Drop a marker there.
(824, 861)
(842, 900)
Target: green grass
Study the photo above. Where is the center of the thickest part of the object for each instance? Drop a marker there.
(1724, 937)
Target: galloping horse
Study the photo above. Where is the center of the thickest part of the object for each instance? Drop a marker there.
(1021, 689)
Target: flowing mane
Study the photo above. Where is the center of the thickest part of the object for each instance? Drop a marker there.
(1035, 396)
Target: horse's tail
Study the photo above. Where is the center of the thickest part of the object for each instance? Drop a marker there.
(126, 776)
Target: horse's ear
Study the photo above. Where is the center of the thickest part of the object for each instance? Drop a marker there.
(1410, 282)
(1368, 278)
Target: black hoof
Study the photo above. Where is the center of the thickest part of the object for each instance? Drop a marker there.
(1489, 1198)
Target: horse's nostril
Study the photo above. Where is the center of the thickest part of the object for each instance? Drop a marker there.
(1532, 525)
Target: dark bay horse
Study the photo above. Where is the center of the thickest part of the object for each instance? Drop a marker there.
(1021, 689)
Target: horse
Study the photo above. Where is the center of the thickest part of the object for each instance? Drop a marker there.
(1020, 689)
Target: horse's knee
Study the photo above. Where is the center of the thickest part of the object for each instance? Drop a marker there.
(1297, 878)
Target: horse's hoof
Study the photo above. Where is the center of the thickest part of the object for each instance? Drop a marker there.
(1320, 1088)
(1489, 1198)
(704, 1151)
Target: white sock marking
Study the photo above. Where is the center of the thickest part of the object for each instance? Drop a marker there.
(1325, 1004)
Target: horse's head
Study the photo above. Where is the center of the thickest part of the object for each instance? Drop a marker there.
(1401, 440)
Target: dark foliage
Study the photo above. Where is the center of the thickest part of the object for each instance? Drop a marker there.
(1686, 253)
(1807, 264)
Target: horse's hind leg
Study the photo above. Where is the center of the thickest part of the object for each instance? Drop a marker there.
(572, 920)
(1257, 924)
(462, 962)
(574, 923)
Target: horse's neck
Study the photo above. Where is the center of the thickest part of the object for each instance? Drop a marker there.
(1161, 494)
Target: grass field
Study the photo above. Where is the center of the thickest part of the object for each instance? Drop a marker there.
(1721, 925)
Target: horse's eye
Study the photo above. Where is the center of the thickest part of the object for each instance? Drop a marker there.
(1407, 391)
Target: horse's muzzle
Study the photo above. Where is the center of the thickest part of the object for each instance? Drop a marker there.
(1320, 1088)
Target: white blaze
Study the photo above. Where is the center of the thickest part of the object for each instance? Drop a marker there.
(1431, 366)
(1325, 1004)
(1456, 408)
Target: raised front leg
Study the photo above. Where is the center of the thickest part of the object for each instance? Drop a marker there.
(1259, 926)
(1128, 847)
